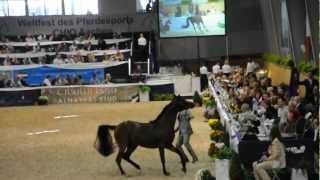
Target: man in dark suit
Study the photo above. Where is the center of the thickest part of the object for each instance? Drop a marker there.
(310, 83)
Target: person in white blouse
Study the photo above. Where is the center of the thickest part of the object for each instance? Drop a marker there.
(274, 158)
(216, 69)
(142, 40)
(226, 68)
(251, 67)
(58, 60)
(203, 77)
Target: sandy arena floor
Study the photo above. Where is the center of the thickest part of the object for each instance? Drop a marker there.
(69, 153)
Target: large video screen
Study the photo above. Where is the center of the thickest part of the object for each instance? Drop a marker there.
(183, 18)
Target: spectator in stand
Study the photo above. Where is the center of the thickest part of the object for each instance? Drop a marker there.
(310, 83)
(88, 46)
(106, 58)
(58, 59)
(118, 56)
(282, 110)
(91, 58)
(251, 67)
(102, 44)
(246, 120)
(69, 59)
(226, 68)
(7, 61)
(94, 79)
(78, 80)
(37, 48)
(73, 47)
(47, 81)
(15, 61)
(27, 60)
(275, 157)
(78, 58)
(294, 80)
(29, 38)
(21, 82)
(216, 69)
(108, 78)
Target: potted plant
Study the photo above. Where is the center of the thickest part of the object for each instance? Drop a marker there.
(43, 100)
(222, 162)
(144, 91)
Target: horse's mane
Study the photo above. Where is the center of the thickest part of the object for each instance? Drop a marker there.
(160, 115)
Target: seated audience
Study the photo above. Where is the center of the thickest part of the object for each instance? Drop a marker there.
(118, 56)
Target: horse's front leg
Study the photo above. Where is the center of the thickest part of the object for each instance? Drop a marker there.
(163, 160)
(181, 155)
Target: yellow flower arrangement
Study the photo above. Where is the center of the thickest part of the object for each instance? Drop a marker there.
(212, 122)
(215, 124)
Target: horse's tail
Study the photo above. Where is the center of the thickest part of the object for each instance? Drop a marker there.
(104, 143)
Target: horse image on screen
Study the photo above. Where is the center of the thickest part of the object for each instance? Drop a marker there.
(183, 18)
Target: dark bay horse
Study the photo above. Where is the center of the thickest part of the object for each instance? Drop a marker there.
(196, 19)
(158, 133)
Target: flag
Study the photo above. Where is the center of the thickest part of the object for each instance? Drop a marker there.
(307, 40)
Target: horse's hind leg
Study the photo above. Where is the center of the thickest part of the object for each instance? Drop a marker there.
(118, 160)
(127, 155)
(181, 155)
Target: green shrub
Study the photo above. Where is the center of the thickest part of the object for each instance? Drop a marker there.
(224, 153)
(163, 97)
(144, 88)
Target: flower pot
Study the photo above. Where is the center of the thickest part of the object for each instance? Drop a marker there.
(222, 167)
(144, 96)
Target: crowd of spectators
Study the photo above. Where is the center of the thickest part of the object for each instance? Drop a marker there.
(58, 80)
(51, 52)
(254, 102)
(255, 98)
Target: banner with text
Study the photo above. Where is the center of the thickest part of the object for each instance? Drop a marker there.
(73, 24)
(90, 94)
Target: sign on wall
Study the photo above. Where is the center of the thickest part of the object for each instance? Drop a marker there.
(89, 94)
(62, 24)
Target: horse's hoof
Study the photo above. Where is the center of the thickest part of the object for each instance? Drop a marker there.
(166, 173)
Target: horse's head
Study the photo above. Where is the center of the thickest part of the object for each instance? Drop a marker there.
(181, 104)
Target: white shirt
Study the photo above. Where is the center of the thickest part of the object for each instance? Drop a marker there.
(58, 61)
(73, 48)
(46, 82)
(226, 68)
(283, 114)
(142, 41)
(216, 69)
(203, 70)
(251, 67)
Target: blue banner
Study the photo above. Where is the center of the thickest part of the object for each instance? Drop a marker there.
(35, 76)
